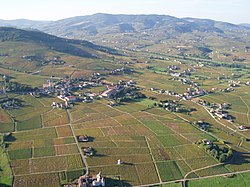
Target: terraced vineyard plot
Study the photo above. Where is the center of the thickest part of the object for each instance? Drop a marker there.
(64, 131)
(141, 130)
(67, 140)
(191, 151)
(66, 149)
(44, 151)
(163, 154)
(77, 114)
(6, 177)
(93, 132)
(37, 134)
(184, 168)
(127, 173)
(20, 167)
(31, 108)
(88, 110)
(7, 127)
(73, 175)
(121, 151)
(47, 101)
(198, 136)
(113, 113)
(157, 127)
(107, 122)
(91, 117)
(43, 143)
(112, 160)
(55, 118)
(131, 144)
(99, 144)
(74, 162)
(158, 112)
(32, 123)
(196, 163)
(147, 173)
(170, 140)
(216, 170)
(4, 117)
(6, 123)
(124, 130)
(126, 119)
(132, 107)
(49, 164)
(182, 127)
(108, 131)
(20, 145)
(38, 180)
(169, 171)
(20, 154)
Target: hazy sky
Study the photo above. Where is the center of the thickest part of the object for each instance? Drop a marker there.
(235, 11)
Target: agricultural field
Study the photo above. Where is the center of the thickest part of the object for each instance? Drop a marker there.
(133, 141)
(41, 148)
(5, 173)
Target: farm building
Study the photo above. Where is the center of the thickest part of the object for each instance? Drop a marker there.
(95, 180)
(83, 138)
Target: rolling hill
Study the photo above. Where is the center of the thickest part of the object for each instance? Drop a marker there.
(153, 33)
(73, 47)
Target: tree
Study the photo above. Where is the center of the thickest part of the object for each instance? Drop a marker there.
(214, 153)
(223, 157)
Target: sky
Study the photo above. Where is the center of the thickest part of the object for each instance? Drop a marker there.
(234, 11)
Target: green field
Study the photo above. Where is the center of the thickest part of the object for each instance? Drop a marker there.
(153, 144)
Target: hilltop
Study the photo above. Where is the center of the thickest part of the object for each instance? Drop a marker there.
(73, 47)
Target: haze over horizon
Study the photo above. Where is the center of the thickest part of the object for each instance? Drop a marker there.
(234, 11)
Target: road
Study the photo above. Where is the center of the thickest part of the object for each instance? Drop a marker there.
(79, 148)
(183, 180)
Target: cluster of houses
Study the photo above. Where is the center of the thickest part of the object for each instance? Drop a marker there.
(243, 128)
(65, 86)
(202, 125)
(175, 74)
(56, 60)
(91, 181)
(62, 105)
(173, 67)
(188, 95)
(10, 104)
(218, 110)
(222, 114)
(231, 86)
(87, 151)
(64, 89)
(193, 92)
(123, 70)
(170, 105)
(221, 111)
(112, 89)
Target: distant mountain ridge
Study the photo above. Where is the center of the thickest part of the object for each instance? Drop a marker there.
(154, 33)
(108, 23)
(22, 23)
(120, 23)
